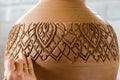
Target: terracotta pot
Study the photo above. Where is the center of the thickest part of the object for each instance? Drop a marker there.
(66, 41)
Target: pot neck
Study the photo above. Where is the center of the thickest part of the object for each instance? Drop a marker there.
(62, 0)
(61, 3)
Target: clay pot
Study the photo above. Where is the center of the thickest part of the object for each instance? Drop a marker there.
(66, 41)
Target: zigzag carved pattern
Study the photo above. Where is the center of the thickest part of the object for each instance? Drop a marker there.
(72, 41)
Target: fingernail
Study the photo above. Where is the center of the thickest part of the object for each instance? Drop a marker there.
(29, 58)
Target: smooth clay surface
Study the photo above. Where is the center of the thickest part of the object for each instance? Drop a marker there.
(66, 41)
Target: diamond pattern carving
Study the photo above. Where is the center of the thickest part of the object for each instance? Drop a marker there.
(58, 40)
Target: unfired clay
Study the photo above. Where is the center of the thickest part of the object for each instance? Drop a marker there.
(66, 41)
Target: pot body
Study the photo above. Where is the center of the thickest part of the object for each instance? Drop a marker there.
(66, 41)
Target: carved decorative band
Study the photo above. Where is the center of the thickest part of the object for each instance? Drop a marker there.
(73, 41)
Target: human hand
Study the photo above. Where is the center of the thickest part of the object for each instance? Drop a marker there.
(20, 69)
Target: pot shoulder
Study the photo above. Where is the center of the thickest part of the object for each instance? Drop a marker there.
(67, 48)
(57, 40)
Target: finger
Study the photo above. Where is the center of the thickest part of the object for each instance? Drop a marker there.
(19, 65)
(30, 65)
(22, 57)
(9, 66)
(7, 59)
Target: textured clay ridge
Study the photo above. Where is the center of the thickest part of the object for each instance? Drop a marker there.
(69, 40)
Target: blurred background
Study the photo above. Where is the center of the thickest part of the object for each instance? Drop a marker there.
(12, 10)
